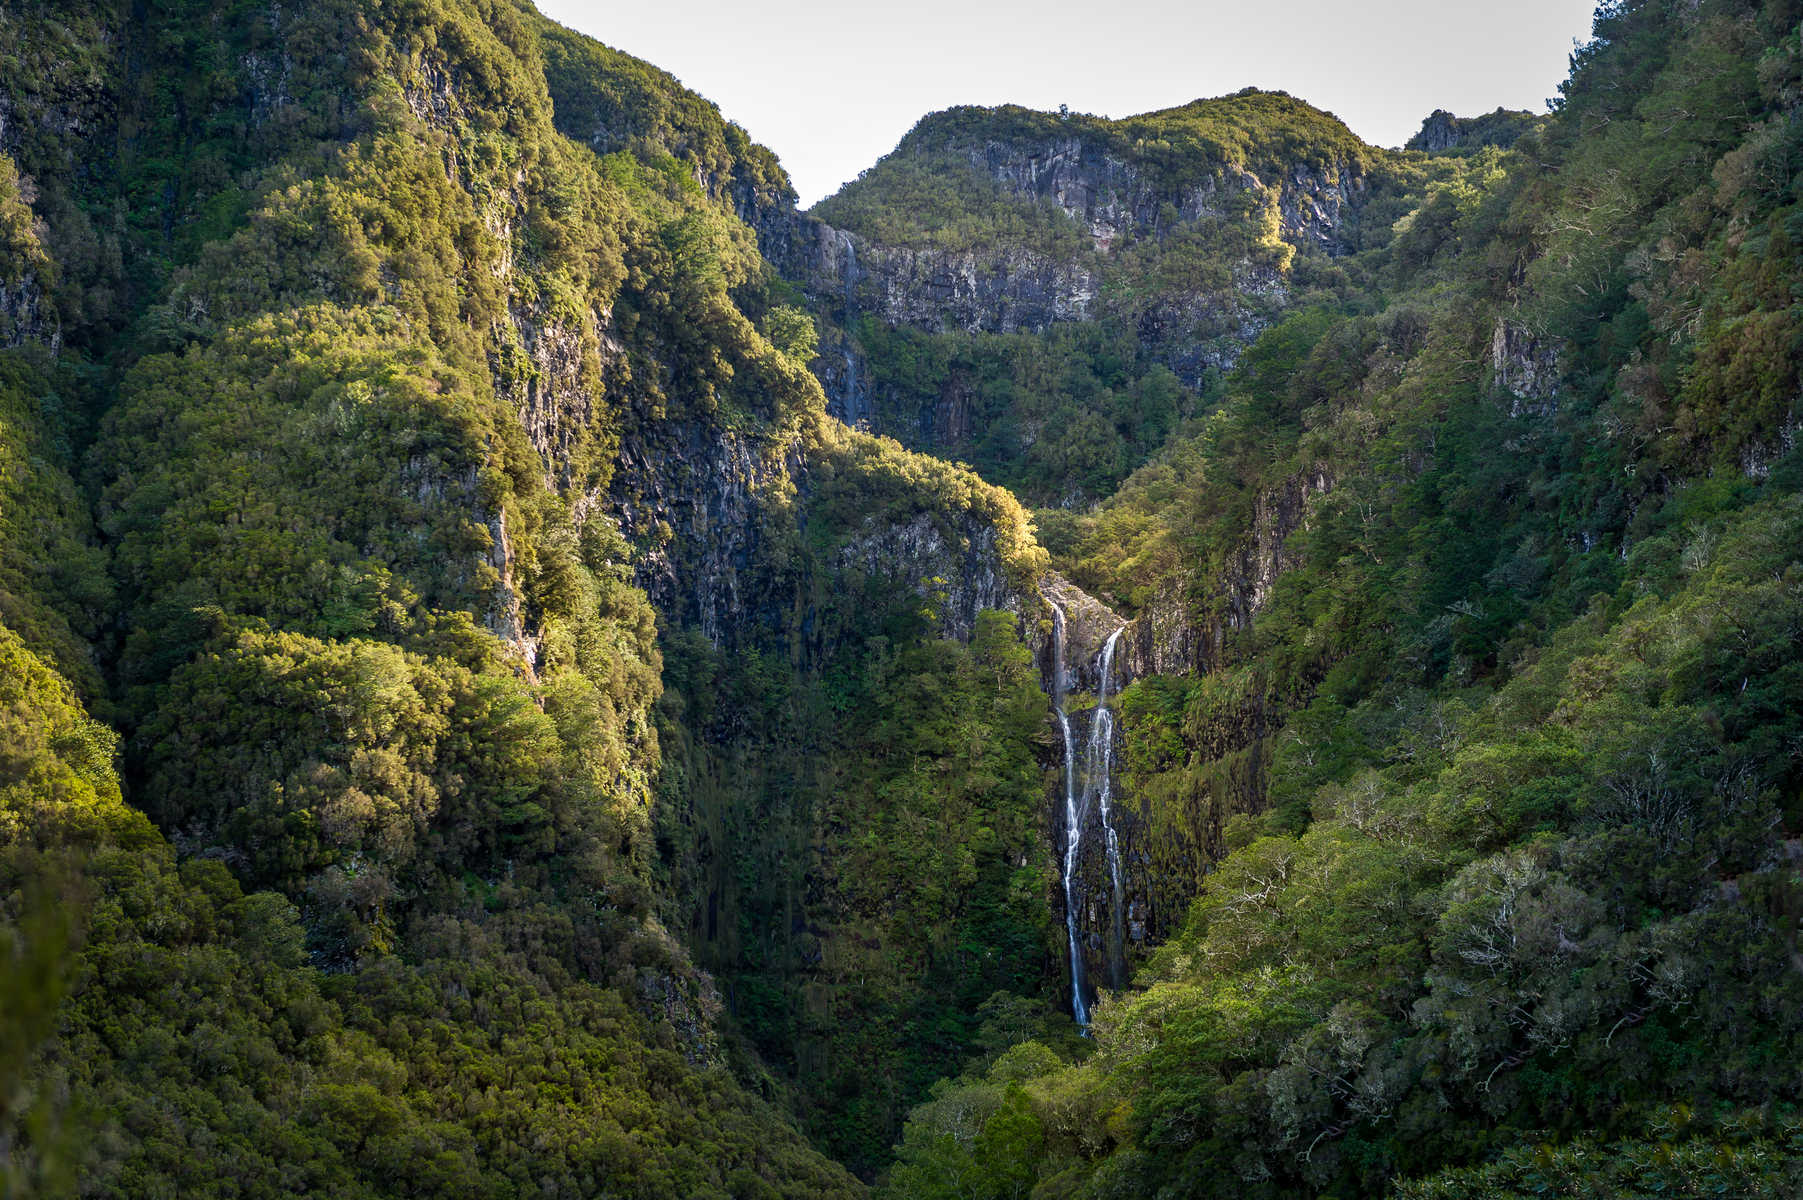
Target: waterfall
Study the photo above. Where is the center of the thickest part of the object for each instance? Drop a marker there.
(1086, 775)
(1073, 820)
(1101, 773)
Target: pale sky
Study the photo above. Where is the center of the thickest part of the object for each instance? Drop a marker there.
(832, 87)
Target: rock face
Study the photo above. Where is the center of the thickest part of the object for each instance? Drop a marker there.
(1526, 367)
(1007, 290)
(1114, 199)
(699, 497)
(712, 505)
(1022, 288)
(1758, 457)
(1169, 837)
(554, 390)
(959, 568)
(1442, 131)
(1010, 290)
(1167, 639)
(26, 315)
(1088, 624)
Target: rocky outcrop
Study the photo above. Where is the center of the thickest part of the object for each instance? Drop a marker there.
(1526, 366)
(1759, 456)
(550, 376)
(1088, 623)
(956, 565)
(1173, 831)
(26, 314)
(1442, 131)
(1165, 639)
(1019, 287)
(506, 614)
(1168, 638)
(1169, 826)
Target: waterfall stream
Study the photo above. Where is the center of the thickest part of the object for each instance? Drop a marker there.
(1091, 774)
(1101, 772)
(1073, 819)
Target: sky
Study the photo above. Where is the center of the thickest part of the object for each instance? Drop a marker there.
(832, 87)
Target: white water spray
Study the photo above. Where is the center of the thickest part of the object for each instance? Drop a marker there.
(1101, 773)
(1088, 775)
(1073, 820)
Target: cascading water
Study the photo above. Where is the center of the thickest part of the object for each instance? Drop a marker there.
(1073, 820)
(1101, 773)
(1092, 774)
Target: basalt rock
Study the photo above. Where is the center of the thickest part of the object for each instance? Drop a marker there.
(1184, 629)
(1170, 824)
(1525, 365)
(1114, 199)
(1442, 131)
(1088, 625)
(1006, 287)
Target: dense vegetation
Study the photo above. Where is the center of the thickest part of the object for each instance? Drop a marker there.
(470, 724)
(864, 864)
(321, 351)
(1505, 764)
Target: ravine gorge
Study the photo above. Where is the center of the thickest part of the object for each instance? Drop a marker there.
(1183, 655)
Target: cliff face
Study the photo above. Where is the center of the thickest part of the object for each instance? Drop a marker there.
(695, 497)
(1124, 211)
(1115, 199)
(1168, 638)
(1169, 821)
(26, 312)
(1013, 288)
(956, 565)
(1526, 366)
(26, 315)
(1442, 131)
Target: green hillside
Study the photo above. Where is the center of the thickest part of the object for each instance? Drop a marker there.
(473, 724)
(1187, 232)
(1503, 769)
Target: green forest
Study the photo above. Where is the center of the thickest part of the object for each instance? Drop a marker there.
(475, 720)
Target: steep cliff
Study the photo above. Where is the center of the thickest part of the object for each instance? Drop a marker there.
(1477, 597)
(956, 269)
(1006, 221)
(1441, 131)
(1171, 807)
(473, 722)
